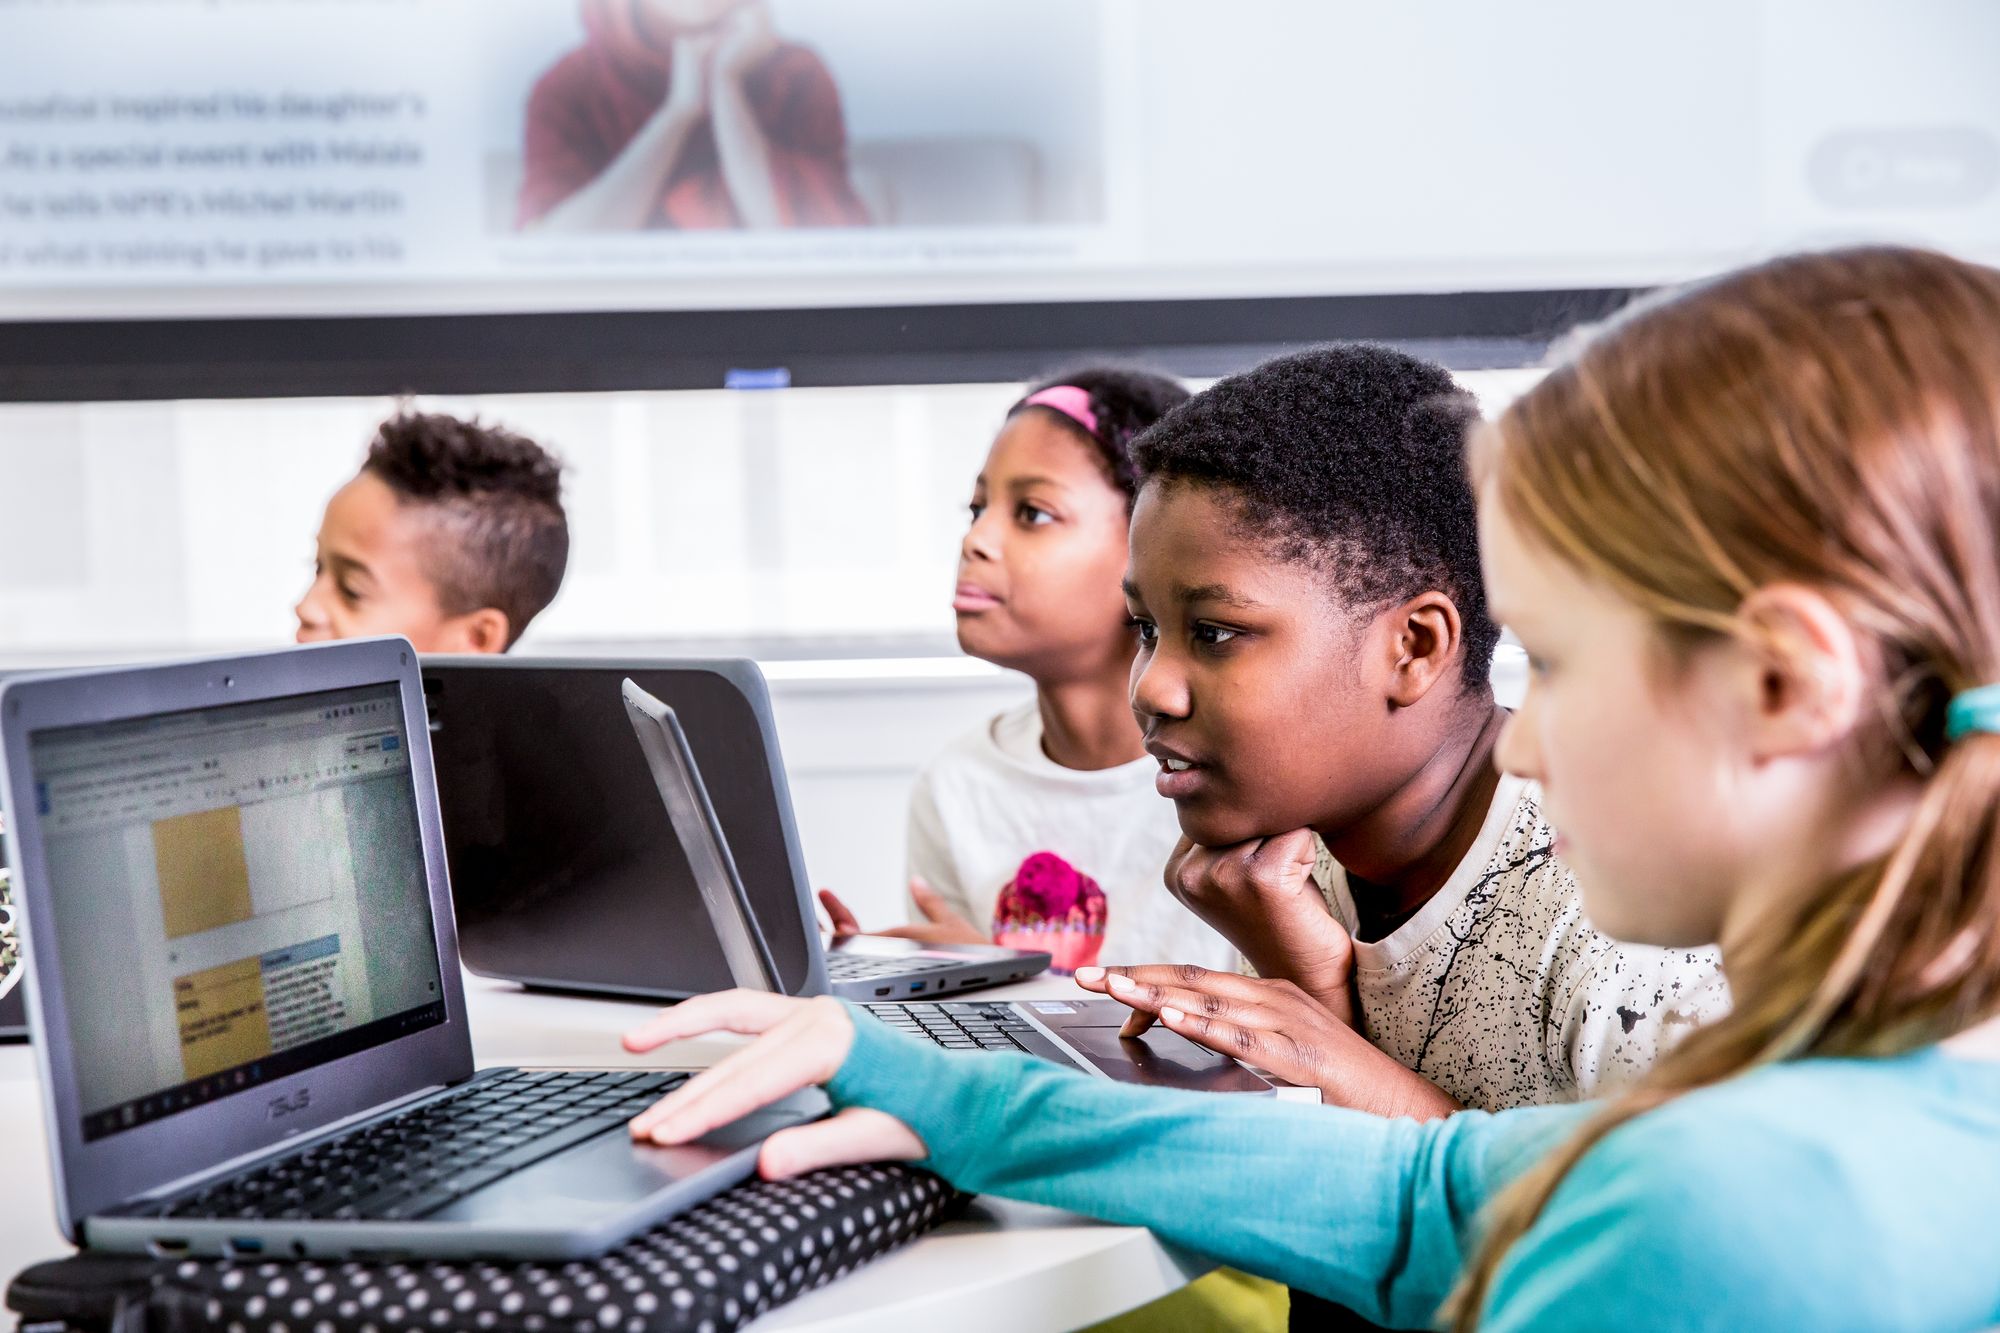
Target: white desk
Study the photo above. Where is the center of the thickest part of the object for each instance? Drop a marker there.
(1005, 1266)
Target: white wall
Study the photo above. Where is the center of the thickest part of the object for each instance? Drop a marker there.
(171, 526)
(769, 517)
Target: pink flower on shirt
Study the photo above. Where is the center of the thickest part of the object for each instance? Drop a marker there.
(1052, 905)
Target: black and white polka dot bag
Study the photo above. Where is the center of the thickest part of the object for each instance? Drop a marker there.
(708, 1271)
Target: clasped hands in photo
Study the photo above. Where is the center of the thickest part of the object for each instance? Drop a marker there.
(1295, 1019)
(729, 50)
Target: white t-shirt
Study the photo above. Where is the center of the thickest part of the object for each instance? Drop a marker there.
(992, 799)
(1500, 993)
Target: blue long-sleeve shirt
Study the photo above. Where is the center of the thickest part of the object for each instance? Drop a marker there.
(1823, 1194)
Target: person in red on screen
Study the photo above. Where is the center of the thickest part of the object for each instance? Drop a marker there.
(685, 114)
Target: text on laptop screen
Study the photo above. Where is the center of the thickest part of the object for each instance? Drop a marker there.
(239, 894)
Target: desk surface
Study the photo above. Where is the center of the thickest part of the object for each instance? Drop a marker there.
(1005, 1266)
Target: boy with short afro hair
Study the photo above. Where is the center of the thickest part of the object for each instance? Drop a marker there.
(1313, 676)
(452, 534)
(1349, 459)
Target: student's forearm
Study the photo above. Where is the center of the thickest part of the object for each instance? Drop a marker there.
(745, 155)
(1372, 1213)
(623, 194)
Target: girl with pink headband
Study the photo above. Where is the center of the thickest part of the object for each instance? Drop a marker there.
(1041, 828)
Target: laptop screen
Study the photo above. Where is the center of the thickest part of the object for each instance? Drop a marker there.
(239, 895)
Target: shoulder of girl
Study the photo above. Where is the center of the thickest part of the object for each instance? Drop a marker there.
(1794, 1128)
(973, 751)
(1703, 1201)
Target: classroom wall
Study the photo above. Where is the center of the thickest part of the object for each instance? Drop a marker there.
(788, 515)
(788, 523)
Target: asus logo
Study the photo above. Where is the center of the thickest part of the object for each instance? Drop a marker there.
(280, 1107)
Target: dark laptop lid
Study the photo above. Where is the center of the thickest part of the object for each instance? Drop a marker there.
(565, 868)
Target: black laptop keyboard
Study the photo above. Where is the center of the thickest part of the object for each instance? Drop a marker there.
(415, 1163)
(958, 1025)
(859, 967)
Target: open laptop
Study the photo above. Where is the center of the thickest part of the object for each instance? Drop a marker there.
(566, 874)
(245, 989)
(1080, 1033)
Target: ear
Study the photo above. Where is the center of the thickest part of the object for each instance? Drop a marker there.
(481, 631)
(1810, 677)
(1425, 640)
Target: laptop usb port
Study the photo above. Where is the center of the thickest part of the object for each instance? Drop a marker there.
(245, 1245)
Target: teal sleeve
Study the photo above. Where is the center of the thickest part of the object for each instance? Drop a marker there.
(1374, 1214)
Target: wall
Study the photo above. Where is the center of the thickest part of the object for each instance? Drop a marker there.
(799, 522)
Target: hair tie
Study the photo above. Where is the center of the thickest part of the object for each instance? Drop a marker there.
(1067, 399)
(1976, 709)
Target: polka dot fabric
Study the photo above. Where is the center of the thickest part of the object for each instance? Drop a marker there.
(710, 1270)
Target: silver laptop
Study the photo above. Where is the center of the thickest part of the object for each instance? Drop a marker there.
(245, 990)
(1080, 1033)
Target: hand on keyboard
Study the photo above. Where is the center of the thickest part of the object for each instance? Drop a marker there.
(799, 1043)
(418, 1160)
(958, 1026)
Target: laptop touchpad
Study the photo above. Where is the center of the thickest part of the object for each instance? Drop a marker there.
(608, 1172)
(1164, 1058)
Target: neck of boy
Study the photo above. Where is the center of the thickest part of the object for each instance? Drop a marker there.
(1401, 853)
(1087, 723)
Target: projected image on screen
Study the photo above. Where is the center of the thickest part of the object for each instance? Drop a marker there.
(400, 157)
(708, 114)
(685, 113)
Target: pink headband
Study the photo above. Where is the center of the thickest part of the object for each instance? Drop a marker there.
(1067, 399)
